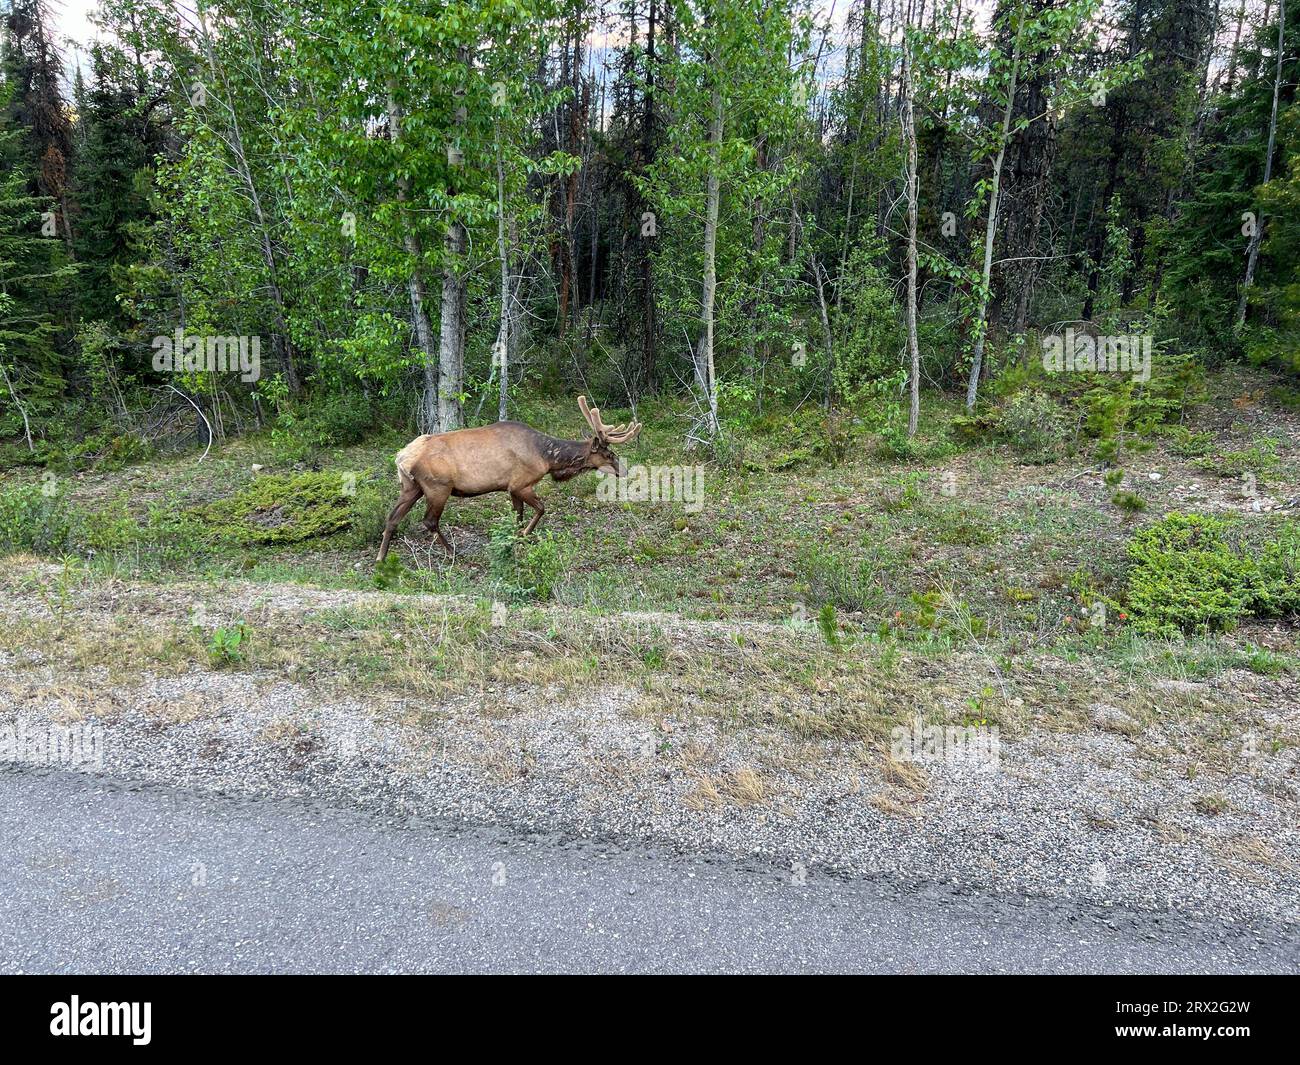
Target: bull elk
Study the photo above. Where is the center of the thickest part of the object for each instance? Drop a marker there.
(505, 457)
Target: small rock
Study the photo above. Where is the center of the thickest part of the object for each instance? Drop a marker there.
(1113, 719)
(1186, 687)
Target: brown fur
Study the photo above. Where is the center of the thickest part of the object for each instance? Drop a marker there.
(506, 457)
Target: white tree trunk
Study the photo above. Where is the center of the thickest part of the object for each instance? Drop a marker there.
(427, 419)
(451, 323)
(451, 332)
(704, 370)
(502, 350)
(991, 228)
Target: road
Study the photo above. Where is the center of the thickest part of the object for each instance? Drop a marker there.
(101, 876)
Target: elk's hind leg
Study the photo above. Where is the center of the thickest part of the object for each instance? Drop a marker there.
(436, 496)
(405, 501)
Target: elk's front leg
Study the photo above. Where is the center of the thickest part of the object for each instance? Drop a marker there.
(527, 495)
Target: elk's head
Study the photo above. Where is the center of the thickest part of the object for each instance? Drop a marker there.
(600, 454)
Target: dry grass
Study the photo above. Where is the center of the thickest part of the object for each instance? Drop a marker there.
(903, 773)
(783, 681)
(741, 787)
(887, 804)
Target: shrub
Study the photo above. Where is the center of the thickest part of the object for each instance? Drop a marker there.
(1034, 424)
(1279, 563)
(829, 626)
(1189, 445)
(542, 565)
(282, 509)
(35, 517)
(1186, 577)
(1193, 573)
(305, 429)
(834, 579)
(1259, 459)
(387, 574)
(1129, 501)
(525, 569)
(226, 648)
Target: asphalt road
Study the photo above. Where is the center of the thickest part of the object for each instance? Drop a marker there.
(98, 876)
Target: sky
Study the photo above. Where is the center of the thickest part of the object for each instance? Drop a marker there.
(74, 31)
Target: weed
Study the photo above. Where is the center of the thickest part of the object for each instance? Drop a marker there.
(226, 648)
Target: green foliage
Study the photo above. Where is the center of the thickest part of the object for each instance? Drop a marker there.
(283, 509)
(902, 491)
(1035, 425)
(107, 450)
(526, 568)
(807, 435)
(1192, 573)
(35, 517)
(1120, 409)
(1189, 445)
(1206, 243)
(1258, 460)
(835, 579)
(226, 647)
(828, 625)
(869, 326)
(336, 419)
(1129, 502)
(387, 574)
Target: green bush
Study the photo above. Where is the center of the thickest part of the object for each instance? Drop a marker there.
(1035, 425)
(1279, 563)
(304, 429)
(1189, 445)
(1129, 501)
(525, 569)
(35, 517)
(283, 509)
(832, 578)
(1193, 573)
(226, 648)
(1259, 459)
(806, 436)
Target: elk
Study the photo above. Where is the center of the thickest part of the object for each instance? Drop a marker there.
(505, 457)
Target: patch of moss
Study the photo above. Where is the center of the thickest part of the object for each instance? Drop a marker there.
(283, 509)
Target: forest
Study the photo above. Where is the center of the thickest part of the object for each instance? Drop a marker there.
(422, 214)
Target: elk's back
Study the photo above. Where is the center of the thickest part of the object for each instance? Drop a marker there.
(489, 458)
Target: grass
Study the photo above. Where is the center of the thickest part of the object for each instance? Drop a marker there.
(829, 601)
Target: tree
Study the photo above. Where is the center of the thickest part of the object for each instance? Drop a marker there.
(1252, 254)
(911, 184)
